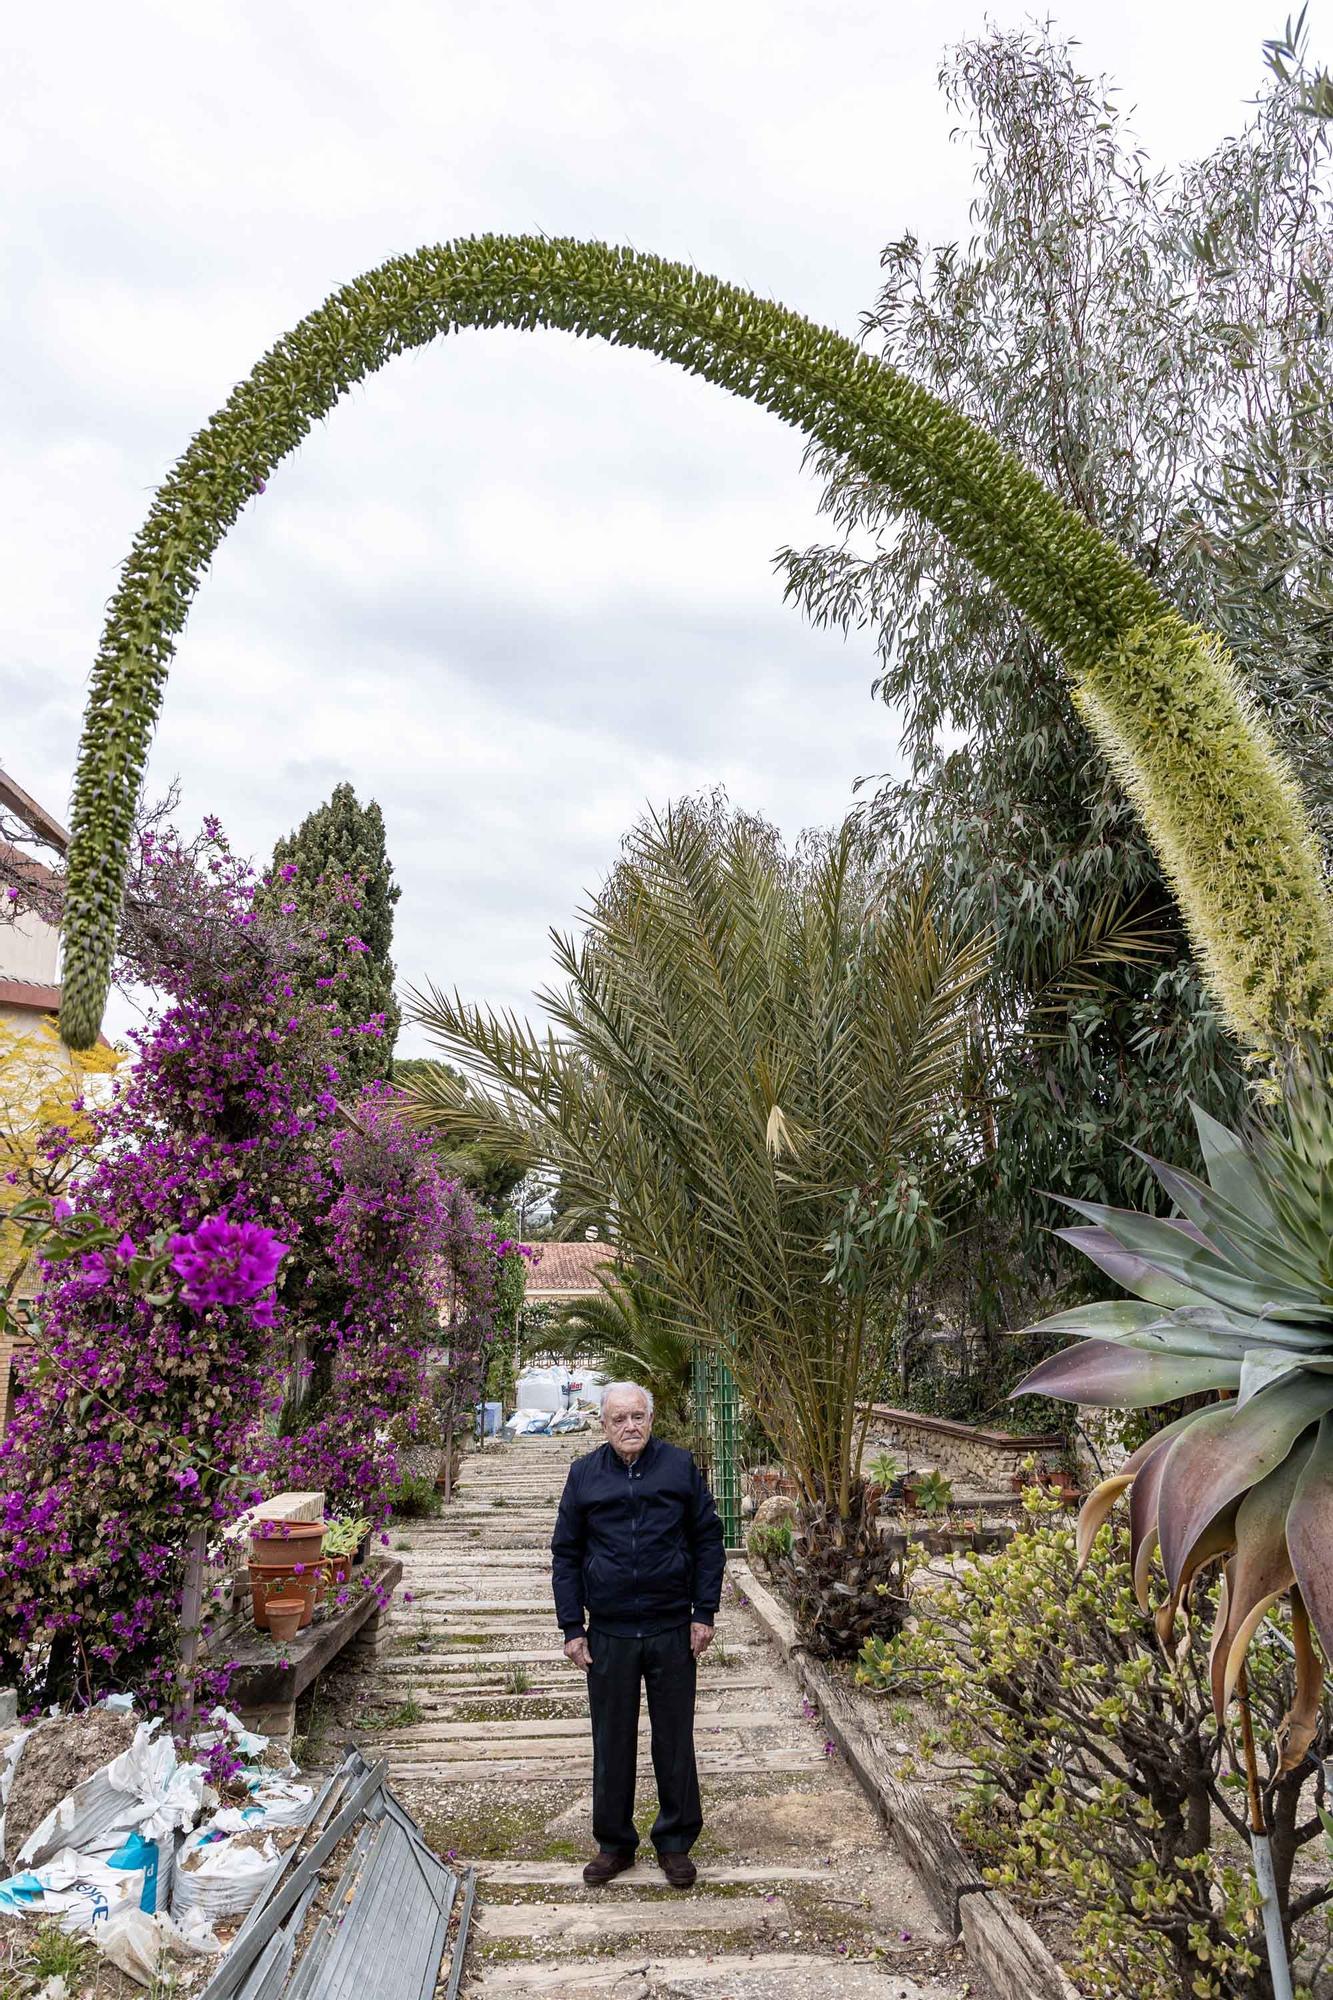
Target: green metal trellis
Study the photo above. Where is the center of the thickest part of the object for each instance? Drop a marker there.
(716, 1414)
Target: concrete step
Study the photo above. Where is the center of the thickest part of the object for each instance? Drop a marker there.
(646, 1875)
(756, 1975)
(505, 1733)
(556, 1766)
(574, 1926)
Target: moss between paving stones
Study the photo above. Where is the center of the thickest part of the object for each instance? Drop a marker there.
(507, 1708)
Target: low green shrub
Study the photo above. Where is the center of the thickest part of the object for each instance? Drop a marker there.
(769, 1541)
(1099, 1786)
(415, 1499)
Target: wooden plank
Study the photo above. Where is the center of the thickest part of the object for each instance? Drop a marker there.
(262, 1680)
(1007, 1951)
(556, 1770)
(506, 1731)
(637, 1977)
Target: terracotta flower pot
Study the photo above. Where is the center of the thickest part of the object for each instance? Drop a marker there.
(285, 1618)
(286, 1541)
(269, 1580)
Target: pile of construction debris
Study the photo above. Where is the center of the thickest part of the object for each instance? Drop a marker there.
(265, 1890)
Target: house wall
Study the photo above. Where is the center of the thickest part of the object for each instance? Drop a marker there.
(30, 949)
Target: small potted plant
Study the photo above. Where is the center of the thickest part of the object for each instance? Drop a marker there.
(886, 1478)
(343, 1536)
(931, 1493)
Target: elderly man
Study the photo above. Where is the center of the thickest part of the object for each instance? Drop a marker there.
(638, 1546)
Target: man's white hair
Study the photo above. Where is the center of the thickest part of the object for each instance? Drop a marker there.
(627, 1388)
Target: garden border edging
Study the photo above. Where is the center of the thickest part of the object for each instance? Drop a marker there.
(1001, 1946)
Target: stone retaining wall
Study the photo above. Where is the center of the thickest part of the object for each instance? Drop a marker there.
(981, 1460)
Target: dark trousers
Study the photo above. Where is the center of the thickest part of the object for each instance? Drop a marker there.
(666, 1666)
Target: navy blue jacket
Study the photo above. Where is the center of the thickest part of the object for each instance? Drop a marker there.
(638, 1546)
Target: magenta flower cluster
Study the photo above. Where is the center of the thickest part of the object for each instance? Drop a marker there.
(226, 1263)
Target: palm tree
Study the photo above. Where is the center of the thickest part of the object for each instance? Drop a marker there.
(627, 1329)
(752, 1068)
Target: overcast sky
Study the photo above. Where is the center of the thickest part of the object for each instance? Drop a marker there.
(518, 587)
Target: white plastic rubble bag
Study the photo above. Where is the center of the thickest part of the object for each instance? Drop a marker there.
(219, 1875)
(77, 1888)
(276, 1801)
(144, 1946)
(144, 1787)
(7, 1770)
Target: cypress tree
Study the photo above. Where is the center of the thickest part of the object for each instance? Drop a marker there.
(341, 864)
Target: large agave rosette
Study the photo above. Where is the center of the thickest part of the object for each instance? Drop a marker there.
(1232, 1295)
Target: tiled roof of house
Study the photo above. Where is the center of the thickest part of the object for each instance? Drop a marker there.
(567, 1270)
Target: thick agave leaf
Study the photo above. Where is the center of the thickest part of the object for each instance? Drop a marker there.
(1298, 1727)
(1310, 1535)
(1260, 1253)
(1261, 1570)
(1180, 1251)
(1105, 1373)
(1314, 1341)
(1143, 1519)
(1135, 1323)
(1232, 1170)
(1134, 1273)
(1095, 1510)
(1226, 1452)
(1262, 1366)
(1110, 1319)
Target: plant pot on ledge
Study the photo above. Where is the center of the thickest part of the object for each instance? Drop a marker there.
(285, 1559)
(285, 1618)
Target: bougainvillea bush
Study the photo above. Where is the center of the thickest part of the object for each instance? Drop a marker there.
(406, 1277)
(233, 1201)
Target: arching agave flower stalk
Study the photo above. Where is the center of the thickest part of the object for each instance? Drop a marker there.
(1233, 1294)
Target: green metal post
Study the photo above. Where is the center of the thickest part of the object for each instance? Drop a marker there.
(716, 1419)
(726, 1464)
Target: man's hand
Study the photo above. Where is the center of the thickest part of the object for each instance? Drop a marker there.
(577, 1651)
(701, 1638)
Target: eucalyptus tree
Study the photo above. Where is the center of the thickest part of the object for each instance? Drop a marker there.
(751, 1066)
(1156, 347)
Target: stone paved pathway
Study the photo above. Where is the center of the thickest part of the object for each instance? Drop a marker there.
(800, 1893)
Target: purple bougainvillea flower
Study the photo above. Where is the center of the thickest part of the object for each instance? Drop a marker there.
(186, 1479)
(224, 1263)
(61, 1210)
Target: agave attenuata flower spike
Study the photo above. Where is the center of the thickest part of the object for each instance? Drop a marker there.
(1233, 1295)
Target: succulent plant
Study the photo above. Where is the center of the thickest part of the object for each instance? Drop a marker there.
(845, 1580)
(1232, 1296)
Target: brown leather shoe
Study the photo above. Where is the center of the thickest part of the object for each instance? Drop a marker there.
(679, 1870)
(604, 1867)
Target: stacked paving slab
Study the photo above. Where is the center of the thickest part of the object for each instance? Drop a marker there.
(485, 1724)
